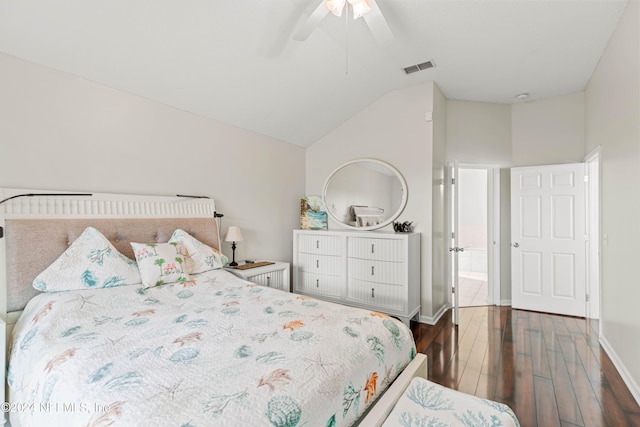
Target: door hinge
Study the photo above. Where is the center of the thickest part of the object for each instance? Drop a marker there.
(453, 181)
(587, 297)
(453, 234)
(586, 178)
(453, 289)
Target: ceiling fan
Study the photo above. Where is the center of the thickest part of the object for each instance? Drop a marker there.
(365, 9)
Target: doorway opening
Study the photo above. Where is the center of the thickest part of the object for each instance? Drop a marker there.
(473, 264)
(474, 223)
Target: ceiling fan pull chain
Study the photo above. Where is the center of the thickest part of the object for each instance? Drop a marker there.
(346, 36)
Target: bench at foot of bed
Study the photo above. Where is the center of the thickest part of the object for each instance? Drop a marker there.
(415, 401)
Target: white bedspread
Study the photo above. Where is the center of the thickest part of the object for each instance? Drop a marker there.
(217, 352)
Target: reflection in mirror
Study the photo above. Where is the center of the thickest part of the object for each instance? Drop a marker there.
(365, 194)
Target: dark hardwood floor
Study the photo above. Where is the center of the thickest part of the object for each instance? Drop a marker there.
(549, 369)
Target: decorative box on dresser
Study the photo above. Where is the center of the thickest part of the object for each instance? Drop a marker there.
(375, 270)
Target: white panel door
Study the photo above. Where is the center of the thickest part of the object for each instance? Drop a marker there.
(548, 239)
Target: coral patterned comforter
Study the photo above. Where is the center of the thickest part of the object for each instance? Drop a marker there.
(219, 352)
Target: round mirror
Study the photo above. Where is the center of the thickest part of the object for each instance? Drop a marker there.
(365, 194)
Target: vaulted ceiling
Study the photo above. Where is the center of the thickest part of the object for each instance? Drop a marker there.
(236, 61)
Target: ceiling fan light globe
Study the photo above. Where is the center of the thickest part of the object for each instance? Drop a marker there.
(335, 6)
(360, 8)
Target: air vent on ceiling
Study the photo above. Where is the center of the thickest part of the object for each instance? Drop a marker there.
(419, 67)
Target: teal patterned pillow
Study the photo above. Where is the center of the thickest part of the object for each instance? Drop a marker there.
(90, 262)
(204, 257)
(161, 263)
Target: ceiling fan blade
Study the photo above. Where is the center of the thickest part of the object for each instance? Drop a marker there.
(311, 23)
(378, 25)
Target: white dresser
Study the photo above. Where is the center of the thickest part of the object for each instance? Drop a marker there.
(374, 270)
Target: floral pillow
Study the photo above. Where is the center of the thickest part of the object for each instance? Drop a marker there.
(203, 257)
(90, 262)
(161, 263)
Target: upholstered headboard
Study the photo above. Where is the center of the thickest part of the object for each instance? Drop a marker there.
(37, 230)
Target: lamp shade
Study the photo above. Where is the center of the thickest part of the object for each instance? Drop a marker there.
(233, 234)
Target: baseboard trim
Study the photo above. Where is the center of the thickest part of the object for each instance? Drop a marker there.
(433, 319)
(505, 302)
(633, 386)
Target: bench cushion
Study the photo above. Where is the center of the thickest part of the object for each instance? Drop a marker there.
(425, 403)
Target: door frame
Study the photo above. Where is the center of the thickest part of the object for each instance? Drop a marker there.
(593, 172)
(493, 229)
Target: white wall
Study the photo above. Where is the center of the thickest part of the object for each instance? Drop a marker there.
(548, 131)
(61, 132)
(392, 129)
(613, 123)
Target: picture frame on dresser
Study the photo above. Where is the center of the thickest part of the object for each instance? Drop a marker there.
(379, 271)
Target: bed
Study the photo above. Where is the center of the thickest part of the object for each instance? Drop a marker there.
(182, 342)
(209, 349)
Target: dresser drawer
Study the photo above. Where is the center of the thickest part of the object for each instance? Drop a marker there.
(376, 294)
(320, 245)
(376, 249)
(320, 284)
(376, 271)
(321, 264)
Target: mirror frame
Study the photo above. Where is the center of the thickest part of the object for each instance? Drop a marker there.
(393, 217)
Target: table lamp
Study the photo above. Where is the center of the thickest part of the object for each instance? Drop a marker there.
(233, 235)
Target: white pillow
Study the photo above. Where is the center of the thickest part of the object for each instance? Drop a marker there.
(161, 263)
(204, 257)
(90, 262)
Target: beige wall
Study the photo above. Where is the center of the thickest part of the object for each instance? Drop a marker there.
(440, 245)
(548, 131)
(505, 236)
(61, 132)
(545, 131)
(613, 123)
(479, 133)
(392, 129)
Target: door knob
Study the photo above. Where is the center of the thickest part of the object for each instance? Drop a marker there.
(516, 245)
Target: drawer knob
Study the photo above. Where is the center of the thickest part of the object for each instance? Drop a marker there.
(317, 283)
(268, 280)
(372, 270)
(317, 263)
(373, 248)
(373, 293)
(317, 244)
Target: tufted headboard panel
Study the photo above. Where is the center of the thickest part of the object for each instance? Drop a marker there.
(33, 244)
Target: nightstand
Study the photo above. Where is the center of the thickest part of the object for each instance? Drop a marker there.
(274, 275)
